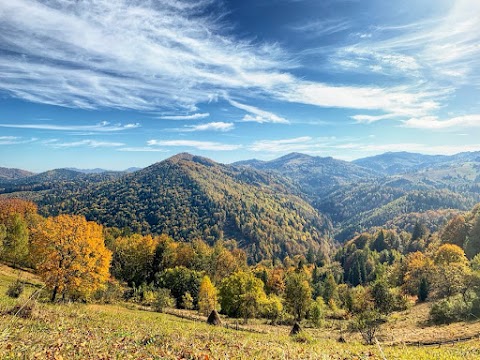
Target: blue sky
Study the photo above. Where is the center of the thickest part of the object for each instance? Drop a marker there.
(114, 84)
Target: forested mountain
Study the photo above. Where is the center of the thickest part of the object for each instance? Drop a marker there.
(13, 174)
(315, 175)
(191, 197)
(270, 207)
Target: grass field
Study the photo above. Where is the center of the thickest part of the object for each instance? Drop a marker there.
(82, 331)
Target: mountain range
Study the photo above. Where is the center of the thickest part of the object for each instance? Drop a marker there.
(274, 208)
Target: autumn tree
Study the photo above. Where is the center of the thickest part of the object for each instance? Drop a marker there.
(73, 261)
(418, 268)
(298, 294)
(241, 295)
(456, 231)
(452, 269)
(207, 296)
(133, 258)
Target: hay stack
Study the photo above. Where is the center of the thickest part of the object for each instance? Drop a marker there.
(214, 318)
(296, 329)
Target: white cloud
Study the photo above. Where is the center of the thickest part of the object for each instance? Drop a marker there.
(200, 145)
(257, 115)
(433, 123)
(100, 127)
(213, 126)
(169, 55)
(142, 149)
(85, 143)
(368, 119)
(185, 117)
(14, 140)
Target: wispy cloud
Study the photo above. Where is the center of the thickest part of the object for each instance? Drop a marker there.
(100, 127)
(303, 143)
(169, 55)
(257, 115)
(441, 48)
(84, 143)
(434, 123)
(200, 145)
(142, 149)
(318, 28)
(367, 119)
(185, 117)
(213, 126)
(14, 140)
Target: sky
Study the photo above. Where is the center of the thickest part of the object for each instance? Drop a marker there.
(127, 83)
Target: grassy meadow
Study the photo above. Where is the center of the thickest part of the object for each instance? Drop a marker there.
(92, 331)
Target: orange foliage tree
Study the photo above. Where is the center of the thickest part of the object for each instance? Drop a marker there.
(73, 259)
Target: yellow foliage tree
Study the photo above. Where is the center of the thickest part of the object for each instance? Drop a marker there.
(207, 296)
(133, 258)
(418, 266)
(73, 259)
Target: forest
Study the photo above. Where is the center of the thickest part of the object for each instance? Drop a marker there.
(364, 280)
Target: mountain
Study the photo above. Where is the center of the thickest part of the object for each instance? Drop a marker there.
(88, 171)
(13, 174)
(315, 175)
(391, 163)
(60, 180)
(190, 197)
(100, 171)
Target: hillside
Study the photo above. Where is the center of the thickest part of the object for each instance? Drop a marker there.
(192, 197)
(91, 331)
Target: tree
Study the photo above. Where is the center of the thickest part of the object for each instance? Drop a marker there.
(73, 259)
(133, 258)
(423, 289)
(367, 323)
(452, 270)
(382, 297)
(456, 231)
(329, 288)
(472, 241)
(241, 295)
(15, 243)
(417, 267)
(298, 294)
(180, 280)
(207, 297)
(419, 231)
(272, 308)
(317, 311)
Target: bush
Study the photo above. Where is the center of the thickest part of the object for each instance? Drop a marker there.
(24, 311)
(272, 308)
(15, 289)
(112, 292)
(447, 311)
(367, 324)
(164, 299)
(187, 301)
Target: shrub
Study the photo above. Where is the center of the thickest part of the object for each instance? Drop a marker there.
(187, 301)
(272, 308)
(24, 311)
(367, 324)
(447, 311)
(15, 289)
(164, 299)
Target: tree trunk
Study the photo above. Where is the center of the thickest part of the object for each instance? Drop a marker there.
(54, 294)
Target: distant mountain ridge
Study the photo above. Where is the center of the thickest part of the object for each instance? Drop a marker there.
(314, 174)
(13, 174)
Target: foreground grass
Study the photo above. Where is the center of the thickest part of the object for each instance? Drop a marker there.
(78, 331)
